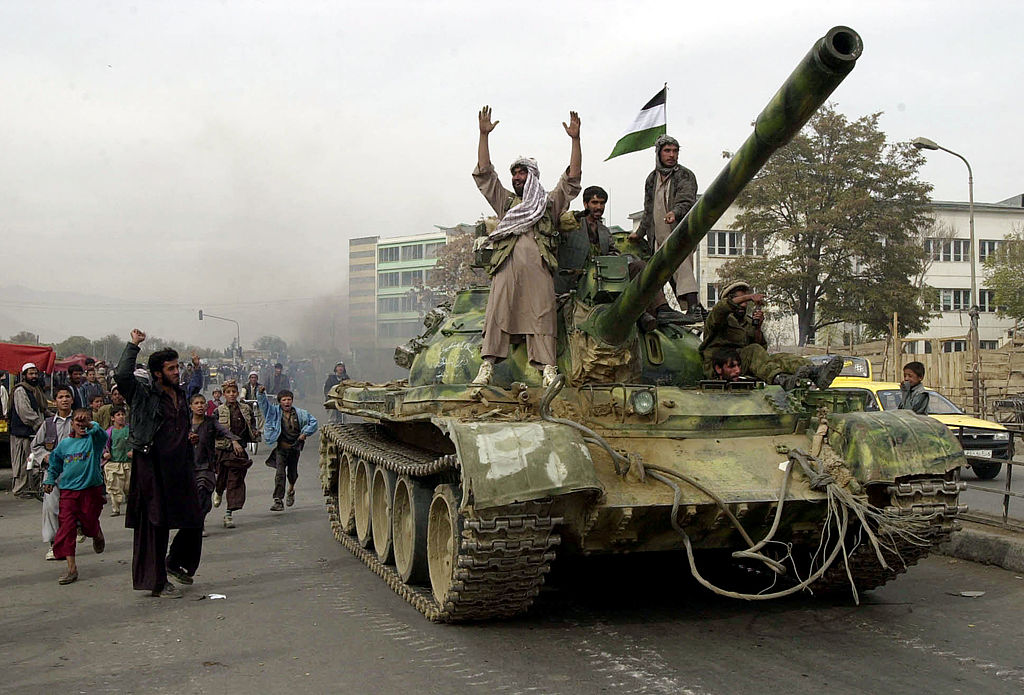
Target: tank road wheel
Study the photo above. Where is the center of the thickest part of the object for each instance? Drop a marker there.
(444, 532)
(346, 505)
(381, 494)
(361, 501)
(409, 513)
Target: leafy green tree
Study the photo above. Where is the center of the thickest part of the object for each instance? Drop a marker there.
(1004, 275)
(839, 213)
(75, 345)
(109, 347)
(24, 338)
(273, 344)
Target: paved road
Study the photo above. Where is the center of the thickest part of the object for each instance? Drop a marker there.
(302, 615)
(990, 504)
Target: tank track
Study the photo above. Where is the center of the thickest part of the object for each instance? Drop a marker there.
(919, 497)
(504, 553)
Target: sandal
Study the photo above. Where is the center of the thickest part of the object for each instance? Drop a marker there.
(68, 578)
(98, 544)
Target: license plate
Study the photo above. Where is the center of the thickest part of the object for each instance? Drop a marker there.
(978, 453)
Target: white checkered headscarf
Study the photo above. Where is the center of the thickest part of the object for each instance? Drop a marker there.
(521, 217)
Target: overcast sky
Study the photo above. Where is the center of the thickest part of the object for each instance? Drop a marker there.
(221, 154)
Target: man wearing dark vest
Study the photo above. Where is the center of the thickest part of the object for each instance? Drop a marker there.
(28, 410)
(523, 245)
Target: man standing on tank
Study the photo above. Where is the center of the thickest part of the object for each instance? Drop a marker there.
(163, 484)
(523, 245)
(669, 193)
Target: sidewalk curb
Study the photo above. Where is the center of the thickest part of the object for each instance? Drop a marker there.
(987, 545)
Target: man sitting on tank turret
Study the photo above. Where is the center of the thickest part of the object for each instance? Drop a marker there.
(730, 327)
(585, 236)
(522, 297)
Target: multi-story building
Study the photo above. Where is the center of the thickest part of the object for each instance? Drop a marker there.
(949, 271)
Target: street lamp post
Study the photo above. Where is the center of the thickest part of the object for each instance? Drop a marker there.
(238, 333)
(926, 144)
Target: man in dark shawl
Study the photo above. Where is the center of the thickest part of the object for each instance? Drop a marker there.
(162, 494)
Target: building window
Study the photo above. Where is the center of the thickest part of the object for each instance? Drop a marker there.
(361, 280)
(987, 247)
(387, 254)
(988, 344)
(410, 303)
(954, 346)
(412, 252)
(955, 300)
(713, 294)
(430, 250)
(733, 244)
(411, 278)
(954, 251)
(987, 300)
(389, 279)
(368, 253)
(388, 305)
(399, 329)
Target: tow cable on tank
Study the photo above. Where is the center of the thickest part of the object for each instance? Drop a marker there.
(840, 503)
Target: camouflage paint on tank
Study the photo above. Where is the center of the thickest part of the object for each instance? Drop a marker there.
(510, 462)
(882, 446)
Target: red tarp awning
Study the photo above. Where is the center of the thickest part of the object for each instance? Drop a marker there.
(13, 356)
(62, 365)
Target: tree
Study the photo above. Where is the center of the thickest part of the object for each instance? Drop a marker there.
(838, 212)
(1004, 274)
(453, 272)
(272, 344)
(25, 338)
(75, 345)
(109, 347)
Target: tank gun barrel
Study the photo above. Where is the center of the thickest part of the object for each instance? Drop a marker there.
(815, 78)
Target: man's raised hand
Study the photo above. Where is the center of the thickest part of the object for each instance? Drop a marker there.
(486, 126)
(137, 336)
(573, 129)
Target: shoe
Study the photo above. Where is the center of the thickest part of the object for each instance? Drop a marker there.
(788, 382)
(277, 506)
(228, 522)
(169, 591)
(179, 574)
(98, 544)
(115, 512)
(483, 377)
(648, 322)
(289, 499)
(666, 314)
(205, 533)
(216, 499)
(550, 373)
(50, 555)
(68, 578)
(81, 536)
(827, 372)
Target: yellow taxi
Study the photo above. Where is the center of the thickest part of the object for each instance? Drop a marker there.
(985, 443)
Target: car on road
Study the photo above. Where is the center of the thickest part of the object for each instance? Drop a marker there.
(986, 444)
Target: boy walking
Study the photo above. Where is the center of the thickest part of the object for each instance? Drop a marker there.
(286, 427)
(75, 462)
(117, 459)
(233, 460)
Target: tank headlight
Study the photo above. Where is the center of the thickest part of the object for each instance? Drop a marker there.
(643, 402)
(1001, 436)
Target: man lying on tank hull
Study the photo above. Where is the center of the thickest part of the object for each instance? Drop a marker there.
(523, 247)
(733, 326)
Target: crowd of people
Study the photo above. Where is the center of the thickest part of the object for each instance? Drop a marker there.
(146, 441)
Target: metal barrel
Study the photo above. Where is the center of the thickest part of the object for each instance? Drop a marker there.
(826, 65)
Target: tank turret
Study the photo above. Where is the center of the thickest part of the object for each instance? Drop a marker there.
(810, 84)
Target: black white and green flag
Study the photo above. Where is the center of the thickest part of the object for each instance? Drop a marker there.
(646, 127)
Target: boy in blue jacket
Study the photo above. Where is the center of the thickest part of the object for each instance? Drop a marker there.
(286, 427)
(77, 462)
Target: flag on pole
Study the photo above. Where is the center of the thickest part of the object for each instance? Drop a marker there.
(646, 127)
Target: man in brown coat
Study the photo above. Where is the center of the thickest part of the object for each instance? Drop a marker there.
(523, 245)
(669, 193)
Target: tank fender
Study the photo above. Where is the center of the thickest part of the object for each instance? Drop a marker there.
(882, 446)
(507, 462)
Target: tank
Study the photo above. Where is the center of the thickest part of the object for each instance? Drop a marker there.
(462, 497)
